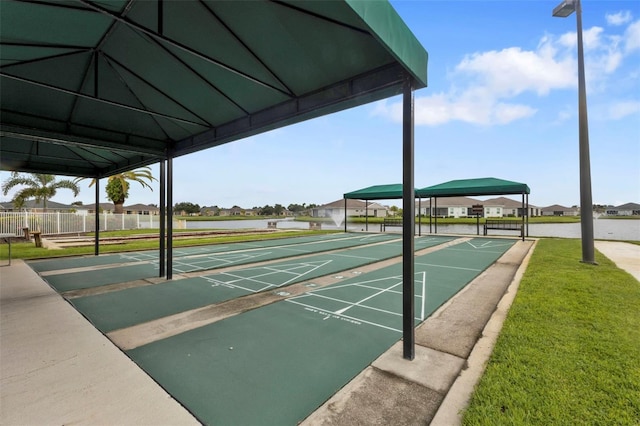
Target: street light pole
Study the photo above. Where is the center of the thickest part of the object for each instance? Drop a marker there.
(563, 10)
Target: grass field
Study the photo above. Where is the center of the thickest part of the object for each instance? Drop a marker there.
(569, 352)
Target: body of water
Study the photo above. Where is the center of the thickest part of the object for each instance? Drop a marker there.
(603, 229)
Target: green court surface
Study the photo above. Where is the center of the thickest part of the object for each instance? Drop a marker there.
(100, 277)
(276, 364)
(124, 272)
(152, 255)
(127, 307)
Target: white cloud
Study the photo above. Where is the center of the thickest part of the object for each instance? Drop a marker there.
(488, 83)
(565, 114)
(512, 71)
(619, 110)
(619, 18)
(632, 37)
(442, 108)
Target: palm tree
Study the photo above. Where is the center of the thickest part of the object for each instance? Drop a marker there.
(118, 185)
(40, 187)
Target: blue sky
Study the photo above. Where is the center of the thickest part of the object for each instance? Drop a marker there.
(501, 102)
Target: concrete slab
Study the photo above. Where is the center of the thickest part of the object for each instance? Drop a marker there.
(377, 398)
(57, 367)
(625, 255)
(457, 328)
(459, 395)
(430, 368)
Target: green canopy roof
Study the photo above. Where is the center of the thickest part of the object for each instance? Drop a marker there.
(377, 192)
(482, 186)
(92, 88)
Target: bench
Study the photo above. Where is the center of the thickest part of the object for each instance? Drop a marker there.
(391, 222)
(504, 225)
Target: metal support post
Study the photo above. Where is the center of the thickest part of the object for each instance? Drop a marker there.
(163, 216)
(408, 223)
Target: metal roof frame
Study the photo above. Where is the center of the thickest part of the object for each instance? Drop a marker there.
(92, 88)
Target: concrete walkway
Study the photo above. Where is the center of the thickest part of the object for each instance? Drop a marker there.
(625, 255)
(55, 367)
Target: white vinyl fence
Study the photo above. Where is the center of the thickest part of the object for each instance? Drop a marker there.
(73, 223)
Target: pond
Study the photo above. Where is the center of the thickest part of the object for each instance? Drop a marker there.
(603, 229)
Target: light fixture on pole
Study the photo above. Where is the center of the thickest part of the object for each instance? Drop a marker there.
(563, 10)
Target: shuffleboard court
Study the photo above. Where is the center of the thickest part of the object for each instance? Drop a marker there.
(127, 307)
(152, 255)
(124, 272)
(278, 363)
(220, 260)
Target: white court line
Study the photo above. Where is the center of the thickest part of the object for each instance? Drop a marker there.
(478, 251)
(343, 310)
(272, 271)
(353, 257)
(232, 283)
(424, 296)
(449, 267)
(345, 316)
(223, 284)
(495, 244)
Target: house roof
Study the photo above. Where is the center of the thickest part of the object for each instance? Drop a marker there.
(505, 202)
(558, 208)
(92, 88)
(32, 204)
(141, 207)
(457, 201)
(629, 206)
(351, 204)
(481, 186)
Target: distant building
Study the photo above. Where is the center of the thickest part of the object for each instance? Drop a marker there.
(629, 209)
(142, 209)
(355, 208)
(462, 207)
(236, 211)
(210, 211)
(512, 208)
(448, 206)
(558, 210)
(32, 206)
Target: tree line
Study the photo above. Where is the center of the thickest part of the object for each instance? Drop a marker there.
(267, 210)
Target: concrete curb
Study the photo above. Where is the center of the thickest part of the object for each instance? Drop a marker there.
(393, 390)
(459, 395)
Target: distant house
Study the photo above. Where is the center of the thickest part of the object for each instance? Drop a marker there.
(452, 206)
(237, 211)
(32, 206)
(448, 206)
(629, 209)
(462, 207)
(210, 211)
(142, 209)
(558, 210)
(102, 208)
(355, 208)
(512, 207)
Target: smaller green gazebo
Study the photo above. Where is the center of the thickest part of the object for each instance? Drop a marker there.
(377, 192)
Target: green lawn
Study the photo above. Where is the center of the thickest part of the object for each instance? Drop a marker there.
(569, 352)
